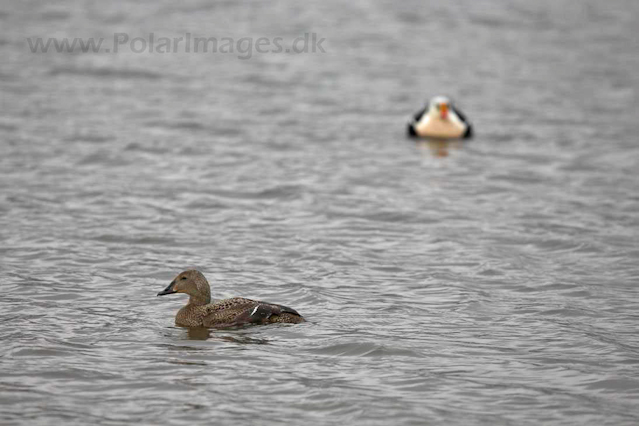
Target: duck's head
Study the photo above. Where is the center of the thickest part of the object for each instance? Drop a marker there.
(439, 107)
(191, 282)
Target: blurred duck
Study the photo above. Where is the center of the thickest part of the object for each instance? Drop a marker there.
(440, 120)
(200, 312)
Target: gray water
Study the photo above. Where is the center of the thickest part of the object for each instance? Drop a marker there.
(489, 282)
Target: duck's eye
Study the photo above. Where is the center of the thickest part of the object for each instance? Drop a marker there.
(183, 278)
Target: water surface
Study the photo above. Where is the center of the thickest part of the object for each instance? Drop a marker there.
(489, 282)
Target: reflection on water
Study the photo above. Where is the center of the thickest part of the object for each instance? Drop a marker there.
(197, 333)
(438, 147)
(201, 333)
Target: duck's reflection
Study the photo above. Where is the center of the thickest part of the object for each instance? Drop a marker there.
(201, 333)
(438, 147)
(197, 333)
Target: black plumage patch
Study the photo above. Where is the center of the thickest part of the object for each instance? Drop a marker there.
(469, 127)
(411, 132)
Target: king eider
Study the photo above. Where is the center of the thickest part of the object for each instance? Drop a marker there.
(439, 119)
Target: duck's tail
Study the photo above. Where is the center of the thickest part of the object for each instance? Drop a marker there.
(286, 317)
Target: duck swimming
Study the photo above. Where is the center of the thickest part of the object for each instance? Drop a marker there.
(200, 312)
(440, 119)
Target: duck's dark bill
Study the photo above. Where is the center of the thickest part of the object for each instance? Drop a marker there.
(168, 290)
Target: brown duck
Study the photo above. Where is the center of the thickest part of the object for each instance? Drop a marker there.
(200, 312)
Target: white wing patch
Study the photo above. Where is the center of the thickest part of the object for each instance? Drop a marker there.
(255, 310)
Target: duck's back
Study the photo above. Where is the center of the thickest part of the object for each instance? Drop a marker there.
(239, 311)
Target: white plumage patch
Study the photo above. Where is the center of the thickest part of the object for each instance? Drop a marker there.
(255, 310)
(431, 125)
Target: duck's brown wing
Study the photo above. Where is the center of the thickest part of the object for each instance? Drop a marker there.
(224, 312)
(263, 313)
(240, 311)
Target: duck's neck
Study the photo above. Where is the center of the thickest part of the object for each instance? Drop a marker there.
(199, 300)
